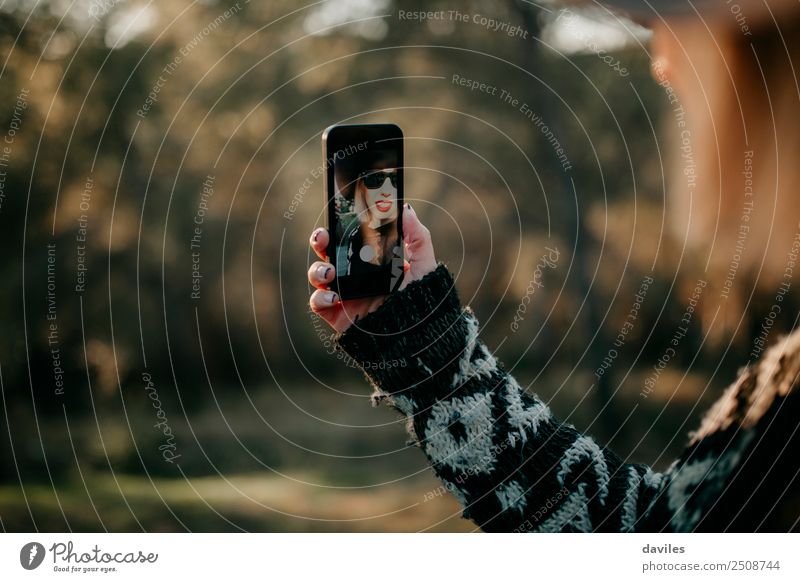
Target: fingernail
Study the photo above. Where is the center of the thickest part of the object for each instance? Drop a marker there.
(322, 272)
(316, 234)
(332, 297)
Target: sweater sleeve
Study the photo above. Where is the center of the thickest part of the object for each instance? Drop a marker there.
(495, 447)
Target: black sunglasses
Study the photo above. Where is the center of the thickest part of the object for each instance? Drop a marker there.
(375, 178)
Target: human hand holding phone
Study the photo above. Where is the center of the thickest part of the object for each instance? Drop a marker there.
(340, 314)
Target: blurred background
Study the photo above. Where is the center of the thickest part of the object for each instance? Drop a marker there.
(159, 367)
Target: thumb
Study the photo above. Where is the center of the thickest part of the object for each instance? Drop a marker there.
(418, 245)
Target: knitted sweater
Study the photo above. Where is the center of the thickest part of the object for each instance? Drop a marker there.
(514, 467)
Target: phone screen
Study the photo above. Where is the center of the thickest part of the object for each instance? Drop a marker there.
(364, 198)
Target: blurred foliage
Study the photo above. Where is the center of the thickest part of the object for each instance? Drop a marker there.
(246, 104)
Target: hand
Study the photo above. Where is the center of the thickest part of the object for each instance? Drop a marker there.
(340, 314)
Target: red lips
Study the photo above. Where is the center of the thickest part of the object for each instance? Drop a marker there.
(383, 205)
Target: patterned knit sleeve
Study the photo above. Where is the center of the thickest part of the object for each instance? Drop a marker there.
(497, 448)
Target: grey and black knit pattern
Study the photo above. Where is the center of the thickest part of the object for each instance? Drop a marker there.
(497, 448)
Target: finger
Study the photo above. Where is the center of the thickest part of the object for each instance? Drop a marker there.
(320, 274)
(323, 302)
(417, 238)
(319, 242)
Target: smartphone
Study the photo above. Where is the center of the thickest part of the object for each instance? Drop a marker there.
(363, 207)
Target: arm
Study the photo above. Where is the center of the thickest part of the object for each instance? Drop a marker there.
(498, 449)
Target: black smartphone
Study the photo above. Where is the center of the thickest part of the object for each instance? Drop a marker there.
(364, 202)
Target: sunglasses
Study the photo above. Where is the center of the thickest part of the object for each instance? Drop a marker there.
(374, 179)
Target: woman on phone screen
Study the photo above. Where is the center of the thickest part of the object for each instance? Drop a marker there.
(371, 238)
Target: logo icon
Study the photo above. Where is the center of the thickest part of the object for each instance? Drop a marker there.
(31, 555)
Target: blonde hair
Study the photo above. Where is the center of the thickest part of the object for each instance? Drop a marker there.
(362, 209)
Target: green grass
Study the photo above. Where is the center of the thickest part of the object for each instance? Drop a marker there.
(250, 502)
